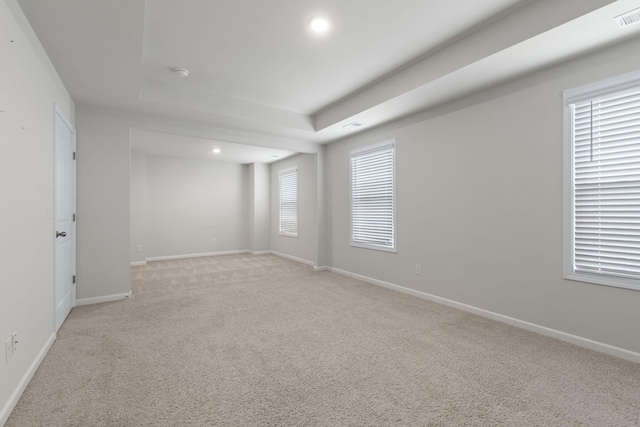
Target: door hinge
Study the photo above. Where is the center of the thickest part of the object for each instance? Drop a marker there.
(74, 217)
(74, 155)
(74, 279)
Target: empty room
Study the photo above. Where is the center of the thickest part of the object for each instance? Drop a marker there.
(320, 213)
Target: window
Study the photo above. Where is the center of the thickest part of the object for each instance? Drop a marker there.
(602, 182)
(373, 213)
(288, 186)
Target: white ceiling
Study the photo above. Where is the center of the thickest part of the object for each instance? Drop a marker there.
(188, 147)
(260, 77)
(263, 51)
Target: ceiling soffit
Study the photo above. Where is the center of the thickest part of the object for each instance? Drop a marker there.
(533, 35)
(246, 87)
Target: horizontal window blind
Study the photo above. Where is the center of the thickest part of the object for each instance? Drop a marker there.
(288, 185)
(606, 184)
(372, 198)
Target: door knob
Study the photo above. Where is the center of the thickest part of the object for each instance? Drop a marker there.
(59, 234)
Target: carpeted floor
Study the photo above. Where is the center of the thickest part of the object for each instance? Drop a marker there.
(262, 341)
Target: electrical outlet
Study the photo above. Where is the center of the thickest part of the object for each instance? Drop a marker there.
(418, 269)
(139, 248)
(15, 341)
(8, 346)
(214, 241)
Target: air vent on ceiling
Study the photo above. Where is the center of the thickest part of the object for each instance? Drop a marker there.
(628, 18)
(353, 125)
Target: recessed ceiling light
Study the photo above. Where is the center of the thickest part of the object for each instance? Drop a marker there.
(319, 24)
(181, 72)
(628, 18)
(216, 151)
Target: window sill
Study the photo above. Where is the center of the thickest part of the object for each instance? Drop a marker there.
(288, 235)
(373, 247)
(617, 282)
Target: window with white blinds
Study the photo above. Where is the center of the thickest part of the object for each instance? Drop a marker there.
(372, 171)
(603, 242)
(288, 187)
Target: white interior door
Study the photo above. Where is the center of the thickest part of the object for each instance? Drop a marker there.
(65, 225)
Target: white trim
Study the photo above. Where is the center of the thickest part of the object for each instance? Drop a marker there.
(63, 117)
(282, 172)
(370, 149)
(591, 90)
(567, 190)
(596, 279)
(322, 268)
(569, 98)
(542, 330)
(292, 258)
(260, 252)
(287, 170)
(22, 385)
(280, 233)
(168, 257)
(373, 147)
(106, 298)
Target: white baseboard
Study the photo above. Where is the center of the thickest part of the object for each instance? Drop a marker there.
(322, 268)
(137, 263)
(164, 258)
(543, 330)
(259, 252)
(22, 385)
(292, 258)
(106, 298)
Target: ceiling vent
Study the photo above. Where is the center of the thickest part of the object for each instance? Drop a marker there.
(628, 18)
(353, 125)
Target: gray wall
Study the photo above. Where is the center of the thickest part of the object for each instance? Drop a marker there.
(103, 206)
(178, 206)
(138, 207)
(192, 202)
(30, 87)
(304, 246)
(480, 206)
(322, 220)
(259, 207)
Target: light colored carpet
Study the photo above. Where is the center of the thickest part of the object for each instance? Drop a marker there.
(261, 341)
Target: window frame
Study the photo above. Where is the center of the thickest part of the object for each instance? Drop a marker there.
(289, 171)
(571, 97)
(369, 149)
